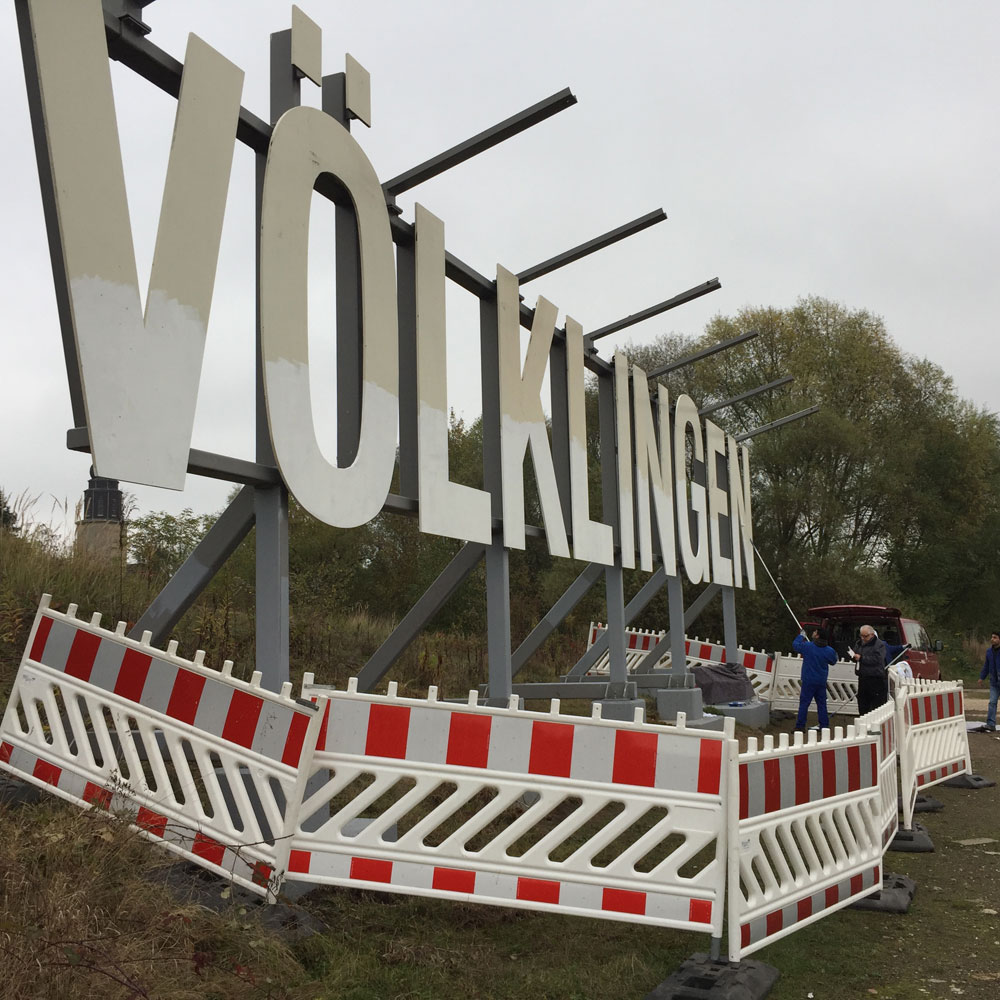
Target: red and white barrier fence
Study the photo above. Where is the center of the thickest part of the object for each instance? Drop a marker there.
(210, 765)
(805, 832)
(933, 738)
(638, 642)
(646, 823)
(526, 809)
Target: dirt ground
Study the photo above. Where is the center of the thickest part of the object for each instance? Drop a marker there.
(948, 944)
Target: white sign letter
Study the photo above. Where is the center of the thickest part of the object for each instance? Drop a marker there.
(446, 508)
(306, 143)
(739, 506)
(139, 373)
(718, 502)
(690, 495)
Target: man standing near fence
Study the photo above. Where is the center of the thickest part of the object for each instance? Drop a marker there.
(991, 669)
(872, 659)
(817, 657)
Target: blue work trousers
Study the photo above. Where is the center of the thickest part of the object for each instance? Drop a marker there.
(991, 712)
(814, 691)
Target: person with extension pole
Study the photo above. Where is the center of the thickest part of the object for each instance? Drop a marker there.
(991, 669)
(817, 657)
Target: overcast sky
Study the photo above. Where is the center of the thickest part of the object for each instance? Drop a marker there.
(842, 149)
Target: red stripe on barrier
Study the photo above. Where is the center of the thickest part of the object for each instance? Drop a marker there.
(772, 785)
(97, 796)
(632, 639)
(745, 936)
(469, 740)
(551, 749)
(775, 921)
(857, 884)
(801, 778)
(41, 637)
(241, 719)
(927, 709)
(537, 890)
(292, 752)
(151, 822)
(321, 742)
(454, 880)
(207, 848)
(749, 660)
(804, 908)
(262, 873)
(705, 652)
(185, 696)
(940, 706)
(132, 674)
(388, 731)
(832, 896)
(82, 654)
(298, 861)
(623, 901)
(6, 749)
(635, 759)
(853, 768)
(700, 911)
(44, 771)
(710, 768)
(877, 874)
(371, 869)
(744, 793)
(874, 752)
(829, 761)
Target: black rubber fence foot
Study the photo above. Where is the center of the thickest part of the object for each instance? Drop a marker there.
(925, 804)
(915, 841)
(969, 781)
(895, 896)
(699, 978)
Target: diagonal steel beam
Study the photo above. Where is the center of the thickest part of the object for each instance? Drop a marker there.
(712, 285)
(478, 143)
(722, 345)
(733, 400)
(778, 423)
(183, 588)
(429, 604)
(592, 246)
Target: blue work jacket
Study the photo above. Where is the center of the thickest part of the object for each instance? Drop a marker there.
(816, 660)
(991, 668)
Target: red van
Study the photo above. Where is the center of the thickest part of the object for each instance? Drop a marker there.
(844, 621)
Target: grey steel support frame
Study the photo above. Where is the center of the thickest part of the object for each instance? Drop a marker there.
(264, 504)
(430, 603)
(729, 623)
(220, 542)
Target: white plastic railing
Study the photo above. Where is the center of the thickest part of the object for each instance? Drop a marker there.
(841, 686)
(638, 642)
(208, 764)
(806, 833)
(534, 810)
(933, 738)
(882, 721)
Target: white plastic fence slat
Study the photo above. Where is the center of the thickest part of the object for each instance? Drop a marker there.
(841, 686)
(805, 834)
(882, 721)
(933, 738)
(540, 811)
(210, 766)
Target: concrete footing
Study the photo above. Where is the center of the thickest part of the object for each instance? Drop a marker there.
(974, 781)
(700, 978)
(621, 709)
(672, 700)
(755, 714)
(895, 896)
(915, 841)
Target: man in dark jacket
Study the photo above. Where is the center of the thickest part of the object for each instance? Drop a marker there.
(871, 660)
(991, 669)
(817, 657)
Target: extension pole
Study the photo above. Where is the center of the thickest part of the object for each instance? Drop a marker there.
(798, 624)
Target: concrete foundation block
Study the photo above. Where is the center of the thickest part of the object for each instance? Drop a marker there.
(756, 714)
(621, 709)
(673, 700)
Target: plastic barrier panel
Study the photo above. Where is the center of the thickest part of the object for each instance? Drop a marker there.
(638, 642)
(933, 738)
(841, 686)
(883, 722)
(541, 811)
(208, 765)
(806, 834)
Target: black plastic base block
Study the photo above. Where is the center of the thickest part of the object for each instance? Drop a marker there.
(699, 978)
(927, 804)
(895, 896)
(975, 781)
(915, 841)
